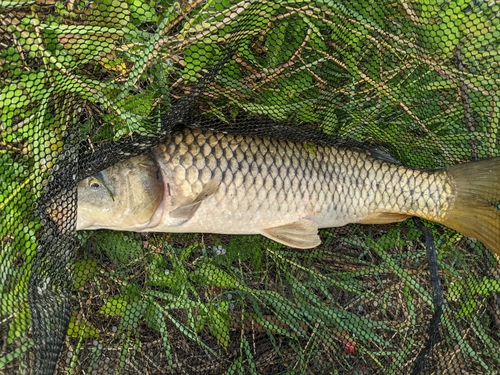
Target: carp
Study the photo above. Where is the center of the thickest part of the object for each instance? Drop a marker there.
(199, 181)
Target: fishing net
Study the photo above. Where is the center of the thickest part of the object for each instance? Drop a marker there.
(85, 84)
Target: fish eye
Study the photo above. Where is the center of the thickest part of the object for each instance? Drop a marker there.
(94, 183)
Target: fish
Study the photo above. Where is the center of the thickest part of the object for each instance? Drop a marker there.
(200, 181)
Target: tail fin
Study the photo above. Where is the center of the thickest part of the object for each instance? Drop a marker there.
(476, 210)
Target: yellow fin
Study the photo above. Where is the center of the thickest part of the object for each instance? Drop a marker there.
(383, 218)
(302, 234)
(185, 212)
(476, 208)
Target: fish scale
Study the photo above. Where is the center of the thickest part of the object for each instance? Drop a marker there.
(207, 182)
(268, 182)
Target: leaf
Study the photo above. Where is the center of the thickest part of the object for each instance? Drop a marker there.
(467, 308)
(110, 13)
(219, 322)
(244, 248)
(248, 352)
(208, 274)
(81, 328)
(154, 318)
(122, 248)
(197, 57)
(186, 253)
(139, 104)
(13, 97)
(134, 311)
(471, 287)
(84, 270)
(114, 306)
(279, 111)
(142, 11)
(18, 325)
(236, 367)
(486, 287)
(19, 352)
(455, 290)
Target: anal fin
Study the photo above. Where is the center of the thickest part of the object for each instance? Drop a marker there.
(185, 212)
(383, 218)
(302, 234)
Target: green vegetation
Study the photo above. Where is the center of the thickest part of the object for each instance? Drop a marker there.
(225, 290)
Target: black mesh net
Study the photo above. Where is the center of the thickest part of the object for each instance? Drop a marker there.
(87, 84)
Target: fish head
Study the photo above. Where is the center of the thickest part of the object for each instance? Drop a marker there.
(124, 196)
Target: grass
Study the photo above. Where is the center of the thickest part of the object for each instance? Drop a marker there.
(226, 297)
(417, 79)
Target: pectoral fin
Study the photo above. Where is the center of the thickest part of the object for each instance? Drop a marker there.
(183, 213)
(302, 234)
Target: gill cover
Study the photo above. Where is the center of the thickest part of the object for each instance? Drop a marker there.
(122, 197)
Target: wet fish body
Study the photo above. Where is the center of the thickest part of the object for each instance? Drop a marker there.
(200, 181)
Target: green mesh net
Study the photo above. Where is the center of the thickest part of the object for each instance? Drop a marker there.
(86, 84)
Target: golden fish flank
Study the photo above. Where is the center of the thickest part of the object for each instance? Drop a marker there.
(200, 181)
